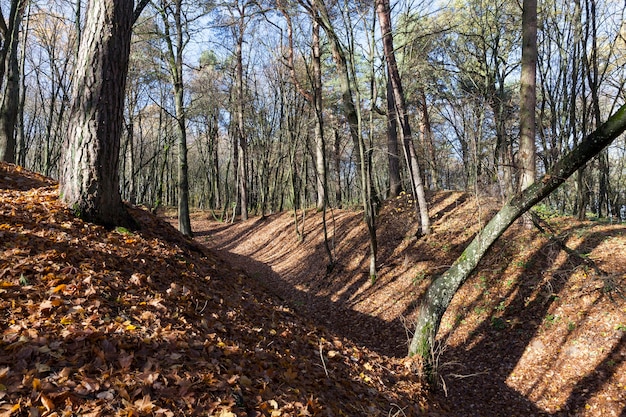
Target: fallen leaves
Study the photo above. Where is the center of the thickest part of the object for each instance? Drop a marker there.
(103, 322)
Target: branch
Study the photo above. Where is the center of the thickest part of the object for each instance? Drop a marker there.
(290, 64)
(142, 4)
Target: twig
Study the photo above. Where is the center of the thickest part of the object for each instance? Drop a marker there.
(397, 413)
(537, 221)
(322, 358)
(460, 376)
(203, 307)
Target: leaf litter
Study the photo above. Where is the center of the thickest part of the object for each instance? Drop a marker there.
(534, 331)
(99, 322)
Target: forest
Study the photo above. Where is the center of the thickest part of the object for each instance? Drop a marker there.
(251, 108)
(233, 86)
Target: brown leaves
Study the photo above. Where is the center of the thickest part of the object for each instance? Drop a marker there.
(148, 323)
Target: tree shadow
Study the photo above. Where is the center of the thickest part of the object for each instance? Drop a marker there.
(490, 355)
(385, 338)
(483, 363)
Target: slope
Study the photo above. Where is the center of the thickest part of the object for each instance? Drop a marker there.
(535, 331)
(100, 322)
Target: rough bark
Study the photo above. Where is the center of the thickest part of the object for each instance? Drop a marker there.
(443, 288)
(11, 82)
(89, 182)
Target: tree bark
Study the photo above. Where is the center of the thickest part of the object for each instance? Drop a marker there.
(444, 287)
(384, 18)
(427, 135)
(320, 145)
(175, 45)
(242, 142)
(11, 82)
(393, 158)
(528, 94)
(89, 182)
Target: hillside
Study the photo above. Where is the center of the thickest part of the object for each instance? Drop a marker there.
(100, 322)
(535, 331)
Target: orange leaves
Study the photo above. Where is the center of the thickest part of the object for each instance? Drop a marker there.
(58, 288)
(7, 410)
(118, 323)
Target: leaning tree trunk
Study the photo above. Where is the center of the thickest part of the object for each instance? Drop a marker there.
(444, 287)
(89, 182)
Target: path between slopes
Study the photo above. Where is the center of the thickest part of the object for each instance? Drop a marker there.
(489, 369)
(304, 285)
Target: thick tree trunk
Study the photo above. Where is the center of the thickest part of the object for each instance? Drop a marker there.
(10, 107)
(11, 80)
(89, 182)
(444, 287)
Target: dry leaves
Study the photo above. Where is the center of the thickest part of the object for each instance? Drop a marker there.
(533, 332)
(100, 322)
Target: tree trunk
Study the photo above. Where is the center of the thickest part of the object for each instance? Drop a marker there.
(427, 135)
(353, 121)
(384, 17)
(175, 44)
(320, 148)
(89, 182)
(393, 159)
(11, 80)
(528, 94)
(337, 160)
(242, 142)
(444, 287)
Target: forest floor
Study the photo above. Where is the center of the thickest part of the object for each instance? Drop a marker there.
(97, 322)
(535, 331)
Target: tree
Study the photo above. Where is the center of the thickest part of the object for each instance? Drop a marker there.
(443, 288)
(314, 99)
(321, 14)
(384, 17)
(89, 182)
(528, 94)
(176, 36)
(10, 79)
